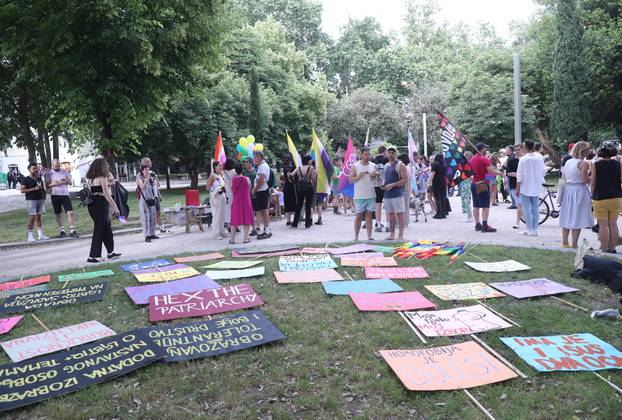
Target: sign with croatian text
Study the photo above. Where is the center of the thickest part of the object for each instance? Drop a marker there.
(38, 288)
(167, 273)
(463, 291)
(498, 267)
(145, 264)
(456, 321)
(86, 275)
(20, 284)
(403, 301)
(140, 294)
(311, 276)
(55, 297)
(395, 273)
(306, 262)
(362, 286)
(199, 258)
(534, 287)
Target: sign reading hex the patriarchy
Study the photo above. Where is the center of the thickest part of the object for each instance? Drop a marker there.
(140, 294)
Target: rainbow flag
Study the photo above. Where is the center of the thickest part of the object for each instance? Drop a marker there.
(345, 186)
(292, 150)
(219, 153)
(323, 165)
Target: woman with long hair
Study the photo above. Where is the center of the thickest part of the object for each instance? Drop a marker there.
(425, 180)
(99, 210)
(305, 179)
(289, 192)
(438, 183)
(241, 206)
(492, 180)
(145, 184)
(217, 199)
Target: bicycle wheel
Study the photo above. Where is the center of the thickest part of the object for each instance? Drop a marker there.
(543, 211)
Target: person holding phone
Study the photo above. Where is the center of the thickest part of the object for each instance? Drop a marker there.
(32, 187)
(147, 201)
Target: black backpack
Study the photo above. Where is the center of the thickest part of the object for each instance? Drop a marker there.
(302, 183)
(271, 179)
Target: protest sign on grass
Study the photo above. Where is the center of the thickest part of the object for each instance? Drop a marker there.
(55, 297)
(368, 262)
(199, 258)
(235, 274)
(530, 288)
(363, 286)
(498, 267)
(456, 321)
(145, 264)
(257, 249)
(7, 324)
(403, 301)
(360, 255)
(20, 284)
(265, 254)
(167, 273)
(140, 294)
(395, 273)
(352, 249)
(463, 291)
(85, 275)
(38, 288)
(306, 262)
(311, 276)
(232, 265)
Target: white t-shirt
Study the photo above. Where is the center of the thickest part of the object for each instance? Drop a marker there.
(364, 187)
(262, 169)
(530, 174)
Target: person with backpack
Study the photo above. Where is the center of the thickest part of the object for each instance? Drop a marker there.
(305, 179)
(395, 177)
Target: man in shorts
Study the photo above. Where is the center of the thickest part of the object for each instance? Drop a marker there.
(395, 177)
(262, 194)
(380, 160)
(363, 175)
(32, 186)
(59, 180)
(481, 165)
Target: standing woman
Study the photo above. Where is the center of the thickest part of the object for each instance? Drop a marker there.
(99, 210)
(606, 193)
(289, 193)
(465, 192)
(217, 199)
(305, 180)
(408, 188)
(228, 173)
(438, 183)
(147, 202)
(492, 180)
(241, 206)
(576, 208)
(425, 180)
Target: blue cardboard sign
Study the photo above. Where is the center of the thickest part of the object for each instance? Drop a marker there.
(360, 286)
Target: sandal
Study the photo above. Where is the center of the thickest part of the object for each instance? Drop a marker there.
(231, 241)
(245, 241)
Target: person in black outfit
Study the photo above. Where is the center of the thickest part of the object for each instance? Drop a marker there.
(289, 194)
(438, 180)
(304, 178)
(99, 210)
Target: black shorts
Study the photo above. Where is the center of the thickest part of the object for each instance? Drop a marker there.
(157, 204)
(379, 194)
(262, 200)
(63, 201)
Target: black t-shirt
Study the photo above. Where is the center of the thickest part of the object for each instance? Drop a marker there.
(381, 160)
(564, 160)
(512, 166)
(438, 181)
(29, 183)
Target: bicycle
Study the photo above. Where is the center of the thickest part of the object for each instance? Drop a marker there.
(546, 210)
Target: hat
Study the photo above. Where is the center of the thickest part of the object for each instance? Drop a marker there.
(480, 146)
(392, 148)
(570, 146)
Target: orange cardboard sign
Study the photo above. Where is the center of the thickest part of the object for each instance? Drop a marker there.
(368, 262)
(309, 276)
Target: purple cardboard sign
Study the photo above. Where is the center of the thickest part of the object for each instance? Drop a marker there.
(141, 294)
(529, 288)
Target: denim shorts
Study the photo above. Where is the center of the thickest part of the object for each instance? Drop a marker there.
(481, 200)
(362, 205)
(35, 207)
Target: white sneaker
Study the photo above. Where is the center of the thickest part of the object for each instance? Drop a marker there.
(31, 239)
(43, 238)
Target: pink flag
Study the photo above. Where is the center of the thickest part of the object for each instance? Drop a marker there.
(219, 153)
(345, 186)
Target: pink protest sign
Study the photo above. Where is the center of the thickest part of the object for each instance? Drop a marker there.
(530, 288)
(352, 249)
(308, 250)
(203, 302)
(368, 262)
(364, 255)
(403, 301)
(141, 294)
(234, 254)
(7, 324)
(395, 273)
(24, 283)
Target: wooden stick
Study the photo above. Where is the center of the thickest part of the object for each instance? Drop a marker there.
(499, 314)
(481, 407)
(465, 252)
(349, 276)
(611, 384)
(479, 258)
(160, 270)
(412, 327)
(39, 321)
(503, 359)
(570, 303)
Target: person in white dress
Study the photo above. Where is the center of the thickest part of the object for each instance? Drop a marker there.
(217, 199)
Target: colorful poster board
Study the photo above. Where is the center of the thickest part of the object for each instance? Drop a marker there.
(369, 262)
(265, 254)
(85, 275)
(232, 265)
(531, 288)
(209, 338)
(203, 302)
(384, 249)
(306, 262)
(55, 297)
(574, 352)
(140, 294)
(38, 379)
(352, 249)
(199, 258)
(395, 272)
(403, 301)
(7, 324)
(362, 286)
(457, 366)
(361, 255)
(145, 264)
(20, 284)
(498, 267)
(310, 250)
(463, 291)
(54, 340)
(456, 321)
(311, 276)
(38, 288)
(256, 249)
(235, 274)
(167, 273)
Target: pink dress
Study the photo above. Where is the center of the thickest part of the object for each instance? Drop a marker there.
(241, 208)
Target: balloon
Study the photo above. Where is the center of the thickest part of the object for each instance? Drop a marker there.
(250, 149)
(243, 141)
(239, 148)
(259, 147)
(251, 139)
(239, 156)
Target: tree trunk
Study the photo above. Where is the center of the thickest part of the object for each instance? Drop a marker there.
(106, 139)
(546, 144)
(55, 149)
(168, 176)
(41, 149)
(46, 147)
(24, 125)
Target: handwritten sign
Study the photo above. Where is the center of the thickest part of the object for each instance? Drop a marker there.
(456, 321)
(140, 294)
(168, 273)
(498, 267)
(44, 377)
(252, 249)
(38, 288)
(464, 291)
(7, 324)
(85, 276)
(235, 274)
(384, 249)
(309, 250)
(369, 262)
(534, 287)
(145, 264)
(457, 366)
(198, 258)
(54, 340)
(361, 286)
(361, 255)
(55, 297)
(395, 272)
(213, 337)
(265, 254)
(575, 352)
(404, 301)
(232, 265)
(352, 249)
(11, 285)
(203, 302)
(311, 276)
(306, 262)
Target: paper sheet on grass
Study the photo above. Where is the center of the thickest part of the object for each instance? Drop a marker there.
(306, 262)
(498, 267)
(369, 262)
(199, 258)
(167, 273)
(140, 294)
(7, 324)
(232, 265)
(235, 274)
(395, 272)
(20, 284)
(363, 286)
(85, 275)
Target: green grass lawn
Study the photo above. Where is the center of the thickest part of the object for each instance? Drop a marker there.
(329, 365)
(14, 222)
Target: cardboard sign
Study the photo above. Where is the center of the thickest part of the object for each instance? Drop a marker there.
(311, 276)
(140, 294)
(352, 249)
(384, 249)
(168, 273)
(457, 366)
(498, 267)
(457, 321)
(308, 250)
(404, 301)
(44, 377)
(575, 352)
(38, 288)
(363, 286)
(306, 262)
(203, 302)
(20, 284)
(198, 258)
(208, 338)
(55, 297)
(534, 287)
(7, 324)
(145, 264)
(235, 274)
(54, 340)
(86, 275)
(464, 291)
(361, 255)
(369, 262)
(265, 254)
(395, 273)
(232, 265)
(252, 249)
